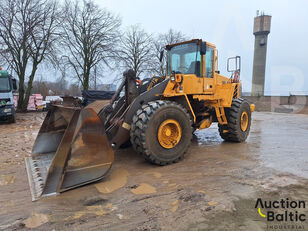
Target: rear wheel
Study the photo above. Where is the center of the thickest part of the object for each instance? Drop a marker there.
(239, 120)
(161, 131)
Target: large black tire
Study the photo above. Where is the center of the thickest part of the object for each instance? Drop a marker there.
(145, 127)
(233, 131)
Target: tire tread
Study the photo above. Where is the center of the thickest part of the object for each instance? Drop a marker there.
(140, 125)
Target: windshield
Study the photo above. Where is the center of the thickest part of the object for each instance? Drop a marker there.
(5, 84)
(184, 59)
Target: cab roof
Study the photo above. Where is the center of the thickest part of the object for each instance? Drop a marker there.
(198, 41)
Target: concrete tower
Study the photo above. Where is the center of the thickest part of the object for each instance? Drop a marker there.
(261, 29)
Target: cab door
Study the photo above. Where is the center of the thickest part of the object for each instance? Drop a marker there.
(209, 58)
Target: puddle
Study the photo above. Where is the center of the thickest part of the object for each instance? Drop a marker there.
(144, 188)
(120, 216)
(212, 203)
(78, 214)
(157, 174)
(175, 205)
(36, 220)
(210, 137)
(110, 207)
(93, 209)
(6, 179)
(97, 209)
(272, 183)
(118, 179)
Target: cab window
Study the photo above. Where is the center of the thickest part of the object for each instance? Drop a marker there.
(209, 57)
(184, 59)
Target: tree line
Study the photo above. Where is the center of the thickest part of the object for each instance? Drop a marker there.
(76, 37)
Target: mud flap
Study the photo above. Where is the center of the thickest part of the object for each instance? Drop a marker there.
(71, 149)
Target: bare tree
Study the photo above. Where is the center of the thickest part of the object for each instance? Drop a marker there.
(40, 87)
(89, 38)
(172, 36)
(74, 90)
(58, 87)
(136, 50)
(27, 35)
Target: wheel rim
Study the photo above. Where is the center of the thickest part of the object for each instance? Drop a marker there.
(169, 133)
(244, 121)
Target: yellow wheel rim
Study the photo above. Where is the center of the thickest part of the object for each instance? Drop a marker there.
(244, 121)
(169, 133)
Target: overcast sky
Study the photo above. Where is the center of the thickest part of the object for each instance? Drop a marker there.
(229, 24)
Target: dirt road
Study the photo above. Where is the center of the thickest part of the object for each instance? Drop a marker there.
(214, 188)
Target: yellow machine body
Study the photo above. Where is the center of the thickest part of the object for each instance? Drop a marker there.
(75, 145)
(216, 91)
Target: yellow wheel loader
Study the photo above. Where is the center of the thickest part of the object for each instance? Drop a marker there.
(75, 145)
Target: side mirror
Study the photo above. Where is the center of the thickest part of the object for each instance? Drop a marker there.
(161, 55)
(203, 48)
(14, 82)
(234, 64)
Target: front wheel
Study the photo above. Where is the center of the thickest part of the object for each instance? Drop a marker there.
(239, 121)
(161, 131)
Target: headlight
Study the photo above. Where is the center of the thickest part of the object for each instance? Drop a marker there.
(172, 78)
(7, 110)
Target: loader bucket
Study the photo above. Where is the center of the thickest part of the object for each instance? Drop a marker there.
(71, 149)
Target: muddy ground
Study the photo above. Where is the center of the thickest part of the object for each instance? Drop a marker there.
(214, 188)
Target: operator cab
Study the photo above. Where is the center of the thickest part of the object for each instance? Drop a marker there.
(187, 58)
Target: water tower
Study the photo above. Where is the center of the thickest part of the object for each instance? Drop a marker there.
(261, 29)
